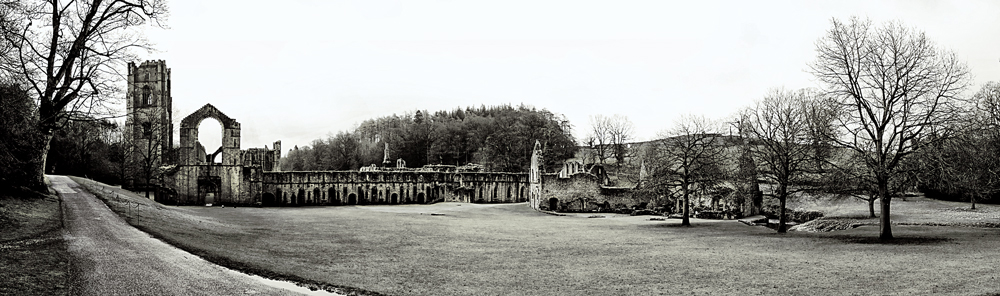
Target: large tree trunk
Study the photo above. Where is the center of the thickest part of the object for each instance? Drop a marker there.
(885, 224)
(871, 207)
(686, 220)
(37, 163)
(782, 224)
(973, 199)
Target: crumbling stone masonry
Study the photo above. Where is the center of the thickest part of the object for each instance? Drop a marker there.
(237, 179)
(189, 175)
(148, 127)
(535, 178)
(391, 187)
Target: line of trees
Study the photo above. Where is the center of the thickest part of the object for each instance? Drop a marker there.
(500, 138)
(887, 118)
(610, 136)
(87, 146)
(964, 164)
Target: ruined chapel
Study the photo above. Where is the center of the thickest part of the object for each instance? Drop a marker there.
(184, 173)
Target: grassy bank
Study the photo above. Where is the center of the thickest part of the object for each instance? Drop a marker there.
(471, 249)
(849, 212)
(33, 255)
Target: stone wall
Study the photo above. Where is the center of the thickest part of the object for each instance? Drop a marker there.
(583, 193)
(389, 187)
(208, 184)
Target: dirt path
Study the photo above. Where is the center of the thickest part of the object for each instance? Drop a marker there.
(110, 257)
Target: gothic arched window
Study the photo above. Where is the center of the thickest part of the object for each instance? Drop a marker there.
(147, 96)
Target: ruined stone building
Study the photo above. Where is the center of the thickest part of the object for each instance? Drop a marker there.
(184, 173)
(188, 174)
(148, 127)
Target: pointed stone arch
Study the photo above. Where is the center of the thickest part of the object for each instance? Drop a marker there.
(187, 152)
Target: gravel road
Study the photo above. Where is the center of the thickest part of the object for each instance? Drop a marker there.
(110, 257)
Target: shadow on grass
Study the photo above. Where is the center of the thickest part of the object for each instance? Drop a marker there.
(909, 240)
(850, 217)
(679, 226)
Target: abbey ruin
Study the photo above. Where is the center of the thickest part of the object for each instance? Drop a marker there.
(189, 175)
(185, 173)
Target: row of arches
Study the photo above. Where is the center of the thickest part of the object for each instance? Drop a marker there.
(496, 193)
(354, 195)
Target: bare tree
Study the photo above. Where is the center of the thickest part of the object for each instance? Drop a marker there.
(985, 152)
(973, 165)
(987, 101)
(780, 125)
(70, 54)
(892, 85)
(686, 156)
(600, 137)
(620, 131)
(968, 163)
(745, 174)
(847, 178)
(143, 151)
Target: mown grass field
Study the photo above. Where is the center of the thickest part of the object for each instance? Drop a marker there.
(34, 259)
(507, 249)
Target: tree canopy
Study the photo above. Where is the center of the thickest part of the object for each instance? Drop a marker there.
(499, 137)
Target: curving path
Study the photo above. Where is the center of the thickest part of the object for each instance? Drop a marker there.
(110, 257)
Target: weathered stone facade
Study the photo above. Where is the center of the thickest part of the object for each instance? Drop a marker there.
(189, 175)
(148, 126)
(390, 187)
(237, 179)
(535, 178)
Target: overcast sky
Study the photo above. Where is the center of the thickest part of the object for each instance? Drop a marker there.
(296, 71)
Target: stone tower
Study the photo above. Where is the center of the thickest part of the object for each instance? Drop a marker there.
(148, 124)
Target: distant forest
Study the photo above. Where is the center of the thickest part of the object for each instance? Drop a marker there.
(498, 137)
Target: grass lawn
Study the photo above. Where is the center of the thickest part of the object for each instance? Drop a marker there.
(33, 255)
(508, 249)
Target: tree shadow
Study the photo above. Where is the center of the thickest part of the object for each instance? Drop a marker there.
(907, 240)
(678, 225)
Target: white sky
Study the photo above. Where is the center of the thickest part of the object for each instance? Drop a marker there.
(299, 70)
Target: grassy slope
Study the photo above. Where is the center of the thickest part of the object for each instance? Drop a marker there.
(847, 212)
(33, 255)
(509, 249)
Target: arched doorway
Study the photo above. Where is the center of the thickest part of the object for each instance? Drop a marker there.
(553, 204)
(267, 199)
(302, 197)
(332, 194)
(352, 199)
(394, 198)
(420, 197)
(316, 196)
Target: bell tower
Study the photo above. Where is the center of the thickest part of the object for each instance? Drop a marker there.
(148, 123)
